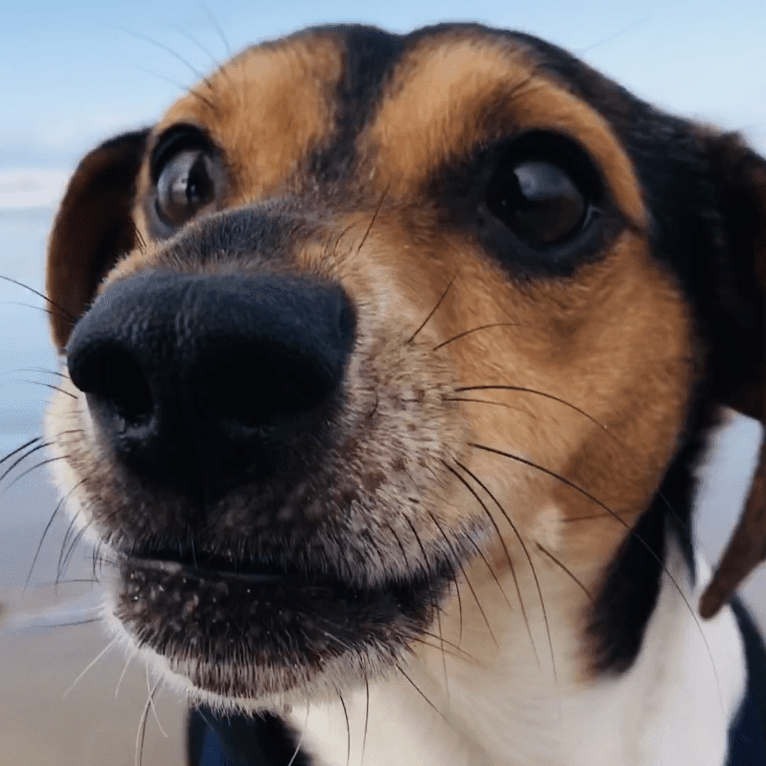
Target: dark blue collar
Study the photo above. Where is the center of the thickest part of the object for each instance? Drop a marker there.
(214, 740)
(747, 736)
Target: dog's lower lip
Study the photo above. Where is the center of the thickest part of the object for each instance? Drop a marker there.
(243, 627)
(193, 572)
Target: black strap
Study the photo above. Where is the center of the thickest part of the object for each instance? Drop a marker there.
(237, 740)
(747, 736)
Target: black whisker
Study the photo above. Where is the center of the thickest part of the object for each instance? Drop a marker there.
(62, 311)
(529, 561)
(483, 401)
(47, 385)
(476, 329)
(69, 431)
(434, 599)
(502, 542)
(366, 716)
(29, 306)
(65, 543)
(36, 466)
(99, 559)
(491, 570)
(602, 41)
(593, 516)
(348, 728)
(334, 248)
(75, 542)
(433, 310)
(373, 219)
(39, 369)
(683, 524)
(417, 689)
(213, 59)
(217, 26)
(181, 87)
(24, 456)
(630, 531)
(42, 540)
(443, 652)
(465, 576)
(457, 651)
(558, 399)
(552, 474)
(19, 449)
(399, 543)
(137, 35)
(454, 579)
(567, 570)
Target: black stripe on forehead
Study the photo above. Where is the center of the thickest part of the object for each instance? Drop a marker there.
(369, 55)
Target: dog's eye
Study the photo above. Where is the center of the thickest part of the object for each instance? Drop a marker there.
(185, 187)
(538, 200)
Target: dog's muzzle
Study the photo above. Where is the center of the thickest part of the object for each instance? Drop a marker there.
(200, 383)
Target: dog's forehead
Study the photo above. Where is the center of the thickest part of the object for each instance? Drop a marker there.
(392, 110)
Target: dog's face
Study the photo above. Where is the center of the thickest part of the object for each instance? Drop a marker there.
(368, 323)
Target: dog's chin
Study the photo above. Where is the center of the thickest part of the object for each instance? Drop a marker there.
(248, 639)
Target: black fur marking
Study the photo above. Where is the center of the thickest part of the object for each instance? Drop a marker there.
(369, 56)
(459, 192)
(630, 590)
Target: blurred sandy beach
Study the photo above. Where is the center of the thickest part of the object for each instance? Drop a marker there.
(40, 658)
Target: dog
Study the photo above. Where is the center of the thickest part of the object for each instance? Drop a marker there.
(388, 361)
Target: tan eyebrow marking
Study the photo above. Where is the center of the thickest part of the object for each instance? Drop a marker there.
(450, 93)
(266, 109)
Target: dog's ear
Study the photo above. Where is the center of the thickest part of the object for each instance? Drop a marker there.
(92, 228)
(740, 176)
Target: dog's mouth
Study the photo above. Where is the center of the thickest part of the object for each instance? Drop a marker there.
(280, 628)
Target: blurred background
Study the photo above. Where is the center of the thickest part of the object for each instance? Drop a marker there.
(75, 73)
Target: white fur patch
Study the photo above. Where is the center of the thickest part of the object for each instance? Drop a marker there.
(672, 708)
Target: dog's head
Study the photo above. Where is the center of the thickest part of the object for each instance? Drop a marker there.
(366, 321)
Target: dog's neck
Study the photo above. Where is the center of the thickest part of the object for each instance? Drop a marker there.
(499, 706)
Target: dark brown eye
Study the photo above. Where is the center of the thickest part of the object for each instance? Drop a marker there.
(185, 187)
(538, 200)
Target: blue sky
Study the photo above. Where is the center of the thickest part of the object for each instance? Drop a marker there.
(74, 72)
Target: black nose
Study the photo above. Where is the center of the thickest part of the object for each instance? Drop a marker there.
(200, 383)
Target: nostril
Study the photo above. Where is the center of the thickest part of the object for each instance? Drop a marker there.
(200, 382)
(116, 379)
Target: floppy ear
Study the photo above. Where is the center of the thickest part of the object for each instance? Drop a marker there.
(741, 178)
(92, 229)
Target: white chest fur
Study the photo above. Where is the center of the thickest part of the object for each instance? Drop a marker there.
(672, 708)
